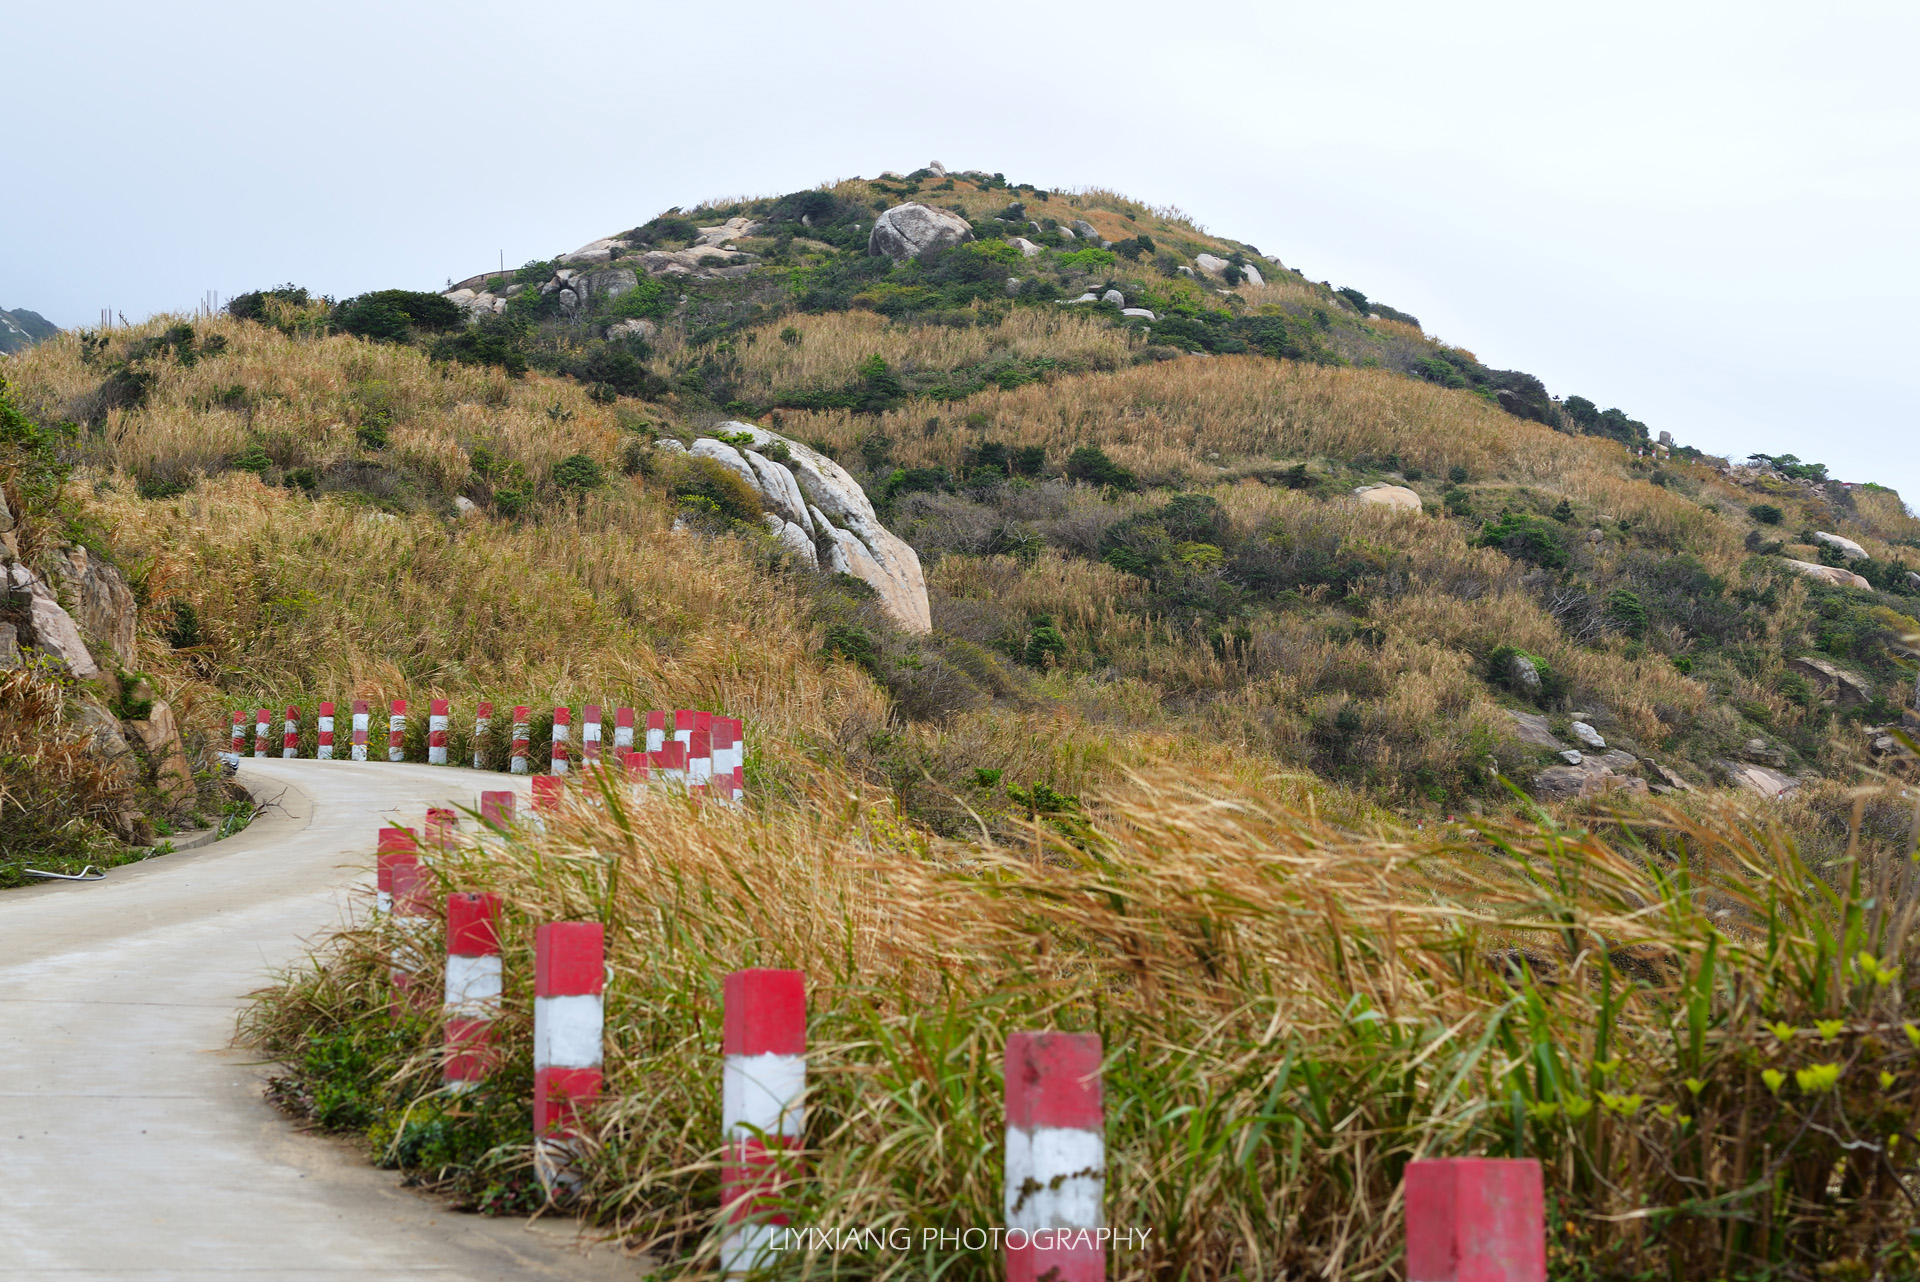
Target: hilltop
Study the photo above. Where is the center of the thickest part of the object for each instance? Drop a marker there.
(20, 329)
(1165, 498)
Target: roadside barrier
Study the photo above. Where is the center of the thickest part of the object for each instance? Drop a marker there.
(569, 982)
(521, 742)
(438, 710)
(496, 808)
(562, 734)
(290, 735)
(1475, 1219)
(260, 721)
(473, 986)
(590, 735)
(622, 733)
(762, 1103)
(546, 793)
(1056, 1157)
(239, 732)
(397, 730)
(324, 750)
(395, 845)
(656, 731)
(482, 718)
(360, 729)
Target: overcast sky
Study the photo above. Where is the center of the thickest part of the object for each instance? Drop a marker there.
(1701, 213)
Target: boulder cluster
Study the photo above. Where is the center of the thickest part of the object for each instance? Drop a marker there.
(820, 514)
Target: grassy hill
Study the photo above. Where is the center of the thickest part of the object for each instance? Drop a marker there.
(1175, 762)
(21, 329)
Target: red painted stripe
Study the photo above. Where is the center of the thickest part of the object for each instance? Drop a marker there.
(326, 709)
(623, 717)
(1475, 1219)
(750, 1177)
(682, 719)
(1053, 1079)
(397, 839)
(656, 721)
(703, 721)
(473, 924)
(496, 807)
(636, 764)
(546, 792)
(700, 745)
(469, 1049)
(563, 716)
(359, 706)
(1028, 1263)
(765, 1013)
(560, 1095)
(439, 707)
(484, 712)
(412, 886)
(569, 959)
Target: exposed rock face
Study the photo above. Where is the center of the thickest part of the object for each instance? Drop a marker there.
(819, 503)
(1590, 778)
(1397, 496)
(611, 283)
(1854, 552)
(1141, 312)
(638, 328)
(1087, 231)
(596, 251)
(1026, 247)
(1211, 264)
(1760, 780)
(103, 603)
(1115, 297)
(1588, 735)
(1830, 574)
(160, 736)
(1530, 727)
(910, 231)
(1837, 684)
(51, 630)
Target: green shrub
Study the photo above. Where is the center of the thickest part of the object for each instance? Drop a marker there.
(1766, 513)
(253, 305)
(253, 459)
(373, 435)
(495, 340)
(1525, 537)
(578, 473)
(855, 645)
(1045, 646)
(719, 485)
(1626, 611)
(390, 315)
(1089, 463)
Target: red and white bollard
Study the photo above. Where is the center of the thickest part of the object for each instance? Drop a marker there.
(636, 766)
(762, 1104)
(590, 735)
(522, 741)
(669, 765)
(396, 845)
(622, 733)
(397, 730)
(261, 720)
(441, 825)
(496, 808)
(439, 711)
(1056, 1158)
(569, 976)
(482, 718)
(699, 759)
(546, 793)
(683, 726)
(406, 894)
(473, 986)
(1476, 1219)
(656, 731)
(562, 732)
(239, 744)
(324, 724)
(290, 735)
(360, 729)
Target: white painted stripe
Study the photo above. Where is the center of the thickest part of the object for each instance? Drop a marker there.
(360, 720)
(325, 752)
(623, 736)
(656, 740)
(567, 1031)
(562, 733)
(590, 733)
(517, 766)
(326, 723)
(473, 984)
(747, 1248)
(763, 1094)
(436, 723)
(383, 901)
(435, 756)
(1062, 1173)
(699, 770)
(359, 752)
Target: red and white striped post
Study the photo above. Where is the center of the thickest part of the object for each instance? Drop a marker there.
(669, 765)
(622, 733)
(522, 741)
(396, 845)
(496, 808)
(562, 732)
(656, 731)
(590, 735)
(546, 793)
(569, 976)
(683, 725)
(1056, 1158)
(442, 823)
(397, 730)
(290, 735)
(1476, 1219)
(699, 759)
(762, 1104)
(360, 715)
(324, 751)
(482, 718)
(239, 733)
(439, 711)
(473, 985)
(261, 719)
(636, 766)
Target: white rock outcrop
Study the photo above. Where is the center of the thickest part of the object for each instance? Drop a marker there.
(54, 632)
(1026, 247)
(909, 231)
(1853, 551)
(1395, 496)
(1829, 574)
(819, 505)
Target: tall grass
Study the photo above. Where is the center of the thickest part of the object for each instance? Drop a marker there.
(1706, 1040)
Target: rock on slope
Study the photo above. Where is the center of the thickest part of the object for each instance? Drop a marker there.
(822, 514)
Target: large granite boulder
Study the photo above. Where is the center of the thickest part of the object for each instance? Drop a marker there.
(1853, 551)
(1833, 574)
(816, 500)
(159, 734)
(50, 629)
(103, 603)
(1395, 496)
(910, 231)
(609, 282)
(1844, 688)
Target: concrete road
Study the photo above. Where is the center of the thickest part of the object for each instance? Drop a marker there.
(134, 1142)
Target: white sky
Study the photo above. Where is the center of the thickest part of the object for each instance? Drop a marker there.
(1701, 213)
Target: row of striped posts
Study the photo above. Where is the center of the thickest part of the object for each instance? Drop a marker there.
(1467, 1219)
(699, 750)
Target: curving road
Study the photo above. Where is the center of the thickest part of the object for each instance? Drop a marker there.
(135, 1144)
